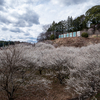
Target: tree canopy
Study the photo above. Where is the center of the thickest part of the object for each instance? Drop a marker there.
(93, 14)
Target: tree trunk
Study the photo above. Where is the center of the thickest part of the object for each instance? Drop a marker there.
(60, 81)
(11, 98)
(40, 71)
(60, 78)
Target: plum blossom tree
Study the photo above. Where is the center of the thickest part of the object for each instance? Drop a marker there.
(80, 65)
(13, 69)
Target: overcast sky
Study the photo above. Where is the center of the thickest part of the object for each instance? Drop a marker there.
(22, 20)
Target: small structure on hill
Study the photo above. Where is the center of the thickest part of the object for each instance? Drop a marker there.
(71, 34)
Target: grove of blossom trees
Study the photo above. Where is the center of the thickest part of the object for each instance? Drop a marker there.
(77, 68)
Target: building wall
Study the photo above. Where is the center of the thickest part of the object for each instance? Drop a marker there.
(71, 34)
(78, 33)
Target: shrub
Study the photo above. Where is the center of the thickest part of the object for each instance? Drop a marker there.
(84, 34)
(52, 37)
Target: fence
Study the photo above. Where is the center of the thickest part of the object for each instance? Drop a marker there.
(72, 34)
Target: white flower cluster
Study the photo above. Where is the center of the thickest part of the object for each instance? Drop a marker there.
(83, 64)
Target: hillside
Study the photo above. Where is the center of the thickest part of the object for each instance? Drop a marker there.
(74, 41)
(43, 72)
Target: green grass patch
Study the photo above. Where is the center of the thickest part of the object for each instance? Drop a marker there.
(98, 96)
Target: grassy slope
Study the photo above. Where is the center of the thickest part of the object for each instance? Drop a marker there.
(75, 41)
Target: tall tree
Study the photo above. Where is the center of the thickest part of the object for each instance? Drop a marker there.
(76, 24)
(13, 68)
(61, 27)
(69, 24)
(93, 14)
(79, 23)
(45, 27)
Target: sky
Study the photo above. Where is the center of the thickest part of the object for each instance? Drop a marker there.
(23, 20)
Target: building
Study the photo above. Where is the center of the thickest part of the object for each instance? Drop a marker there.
(71, 34)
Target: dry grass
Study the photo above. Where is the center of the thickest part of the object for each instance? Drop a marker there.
(76, 41)
(55, 92)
